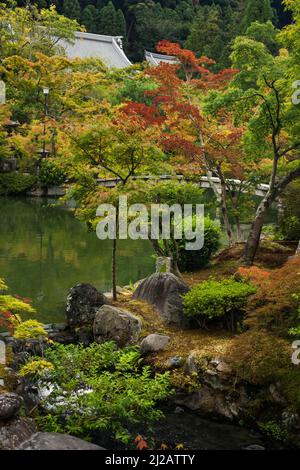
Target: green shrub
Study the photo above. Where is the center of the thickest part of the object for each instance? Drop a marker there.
(16, 183)
(273, 430)
(224, 299)
(103, 389)
(192, 260)
(51, 174)
(289, 220)
(181, 193)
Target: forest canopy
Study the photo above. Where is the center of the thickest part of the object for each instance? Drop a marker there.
(143, 23)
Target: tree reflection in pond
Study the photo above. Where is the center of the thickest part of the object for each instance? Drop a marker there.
(44, 251)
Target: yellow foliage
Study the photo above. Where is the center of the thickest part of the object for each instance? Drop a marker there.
(30, 329)
(3, 286)
(35, 368)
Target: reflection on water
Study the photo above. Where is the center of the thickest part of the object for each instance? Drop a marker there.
(44, 251)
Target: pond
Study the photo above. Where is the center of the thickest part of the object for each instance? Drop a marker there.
(44, 251)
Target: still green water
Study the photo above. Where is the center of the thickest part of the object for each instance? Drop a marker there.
(44, 251)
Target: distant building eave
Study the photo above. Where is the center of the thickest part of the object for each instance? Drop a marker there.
(153, 58)
(109, 49)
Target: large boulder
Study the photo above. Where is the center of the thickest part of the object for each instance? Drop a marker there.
(210, 403)
(154, 343)
(112, 323)
(10, 403)
(56, 441)
(14, 432)
(164, 291)
(82, 303)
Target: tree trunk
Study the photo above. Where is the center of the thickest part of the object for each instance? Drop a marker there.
(224, 209)
(238, 230)
(256, 228)
(114, 259)
(114, 269)
(298, 249)
(275, 190)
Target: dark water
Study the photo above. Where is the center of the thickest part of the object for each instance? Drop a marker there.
(44, 251)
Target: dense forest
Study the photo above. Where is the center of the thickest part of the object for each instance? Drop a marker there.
(143, 24)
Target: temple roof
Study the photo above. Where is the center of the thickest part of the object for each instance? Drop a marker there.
(107, 48)
(155, 59)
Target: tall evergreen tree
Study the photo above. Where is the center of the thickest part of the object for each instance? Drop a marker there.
(257, 10)
(106, 21)
(89, 18)
(111, 21)
(71, 9)
(121, 23)
(207, 36)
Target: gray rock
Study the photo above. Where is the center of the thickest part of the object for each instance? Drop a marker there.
(109, 295)
(164, 291)
(290, 420)
(191, 365)
(224, 368)
(112, 323)
(215, 362)
(56, 441)
(82, 303)
(255, 447)
(178, 410)
(209, 403)
(154, 343)
(275, 394)
(10, 403)
(14, 432)
(175, 362)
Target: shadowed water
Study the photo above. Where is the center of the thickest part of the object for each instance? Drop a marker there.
(44, 251)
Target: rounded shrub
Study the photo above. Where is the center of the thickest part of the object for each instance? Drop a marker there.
(51, 174)
(211, 300)
(192, 260)
(16, 183)
(289, 220)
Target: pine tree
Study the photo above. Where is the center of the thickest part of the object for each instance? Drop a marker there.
(257, 10)
(107, 20)
(121, 24)
(206, 36)
(89, 18)
(71, 9)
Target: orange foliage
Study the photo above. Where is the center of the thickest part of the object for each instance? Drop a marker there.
(140, 442)
(196, 66)
(186, 57)
(150, 114)
(273, 305)
(255, 275)
(5, 321)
